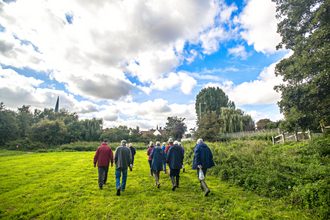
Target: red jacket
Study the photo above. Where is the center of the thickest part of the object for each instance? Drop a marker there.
(149, 152)
(103, 155)
(170, 144)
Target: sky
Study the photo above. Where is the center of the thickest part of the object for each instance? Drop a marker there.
(135, 63)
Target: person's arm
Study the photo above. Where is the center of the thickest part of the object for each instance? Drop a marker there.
(116, 156)
(168, 157)
(96, 157)
(111, 157)
(197, 154)
(152, 154)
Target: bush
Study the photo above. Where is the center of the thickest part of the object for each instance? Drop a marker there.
(298, 173)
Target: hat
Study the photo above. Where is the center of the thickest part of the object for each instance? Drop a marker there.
(123, 141)
(170, 140)
(105, 141)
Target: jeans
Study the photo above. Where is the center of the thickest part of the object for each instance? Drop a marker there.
(164, 164)
(103, 175)
(118, 175)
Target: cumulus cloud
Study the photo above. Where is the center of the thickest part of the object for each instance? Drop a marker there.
(141, 38)
(99, 86)
(260, 25)
(239, 51)
(256, 92)
(187, 82)
(17, 90)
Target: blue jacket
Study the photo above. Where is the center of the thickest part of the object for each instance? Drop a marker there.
(175, 157)
(203, 156)
(157, 155)
(163, 147)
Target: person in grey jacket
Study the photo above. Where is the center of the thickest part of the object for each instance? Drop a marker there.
(123, 159)
(175, 161)
(158, 156)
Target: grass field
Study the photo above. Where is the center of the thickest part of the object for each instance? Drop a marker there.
(63, 185)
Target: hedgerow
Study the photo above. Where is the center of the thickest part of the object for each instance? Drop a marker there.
(298, 173)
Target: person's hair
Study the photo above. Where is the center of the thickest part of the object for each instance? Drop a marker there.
(123, 142)
(164, 143)
(199, 140)
(179, 143)
(157, 143)
(151, 144)
(130, 145)
(175, 142)
(105, 141)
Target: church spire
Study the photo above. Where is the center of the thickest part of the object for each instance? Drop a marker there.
(57, 104)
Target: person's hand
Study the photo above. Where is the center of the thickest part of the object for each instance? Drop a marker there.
(200, 166)
(94, 164)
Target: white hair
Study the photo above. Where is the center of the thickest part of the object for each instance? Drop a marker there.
(179, 143)
(199, 140)
(176, 142)
(157, 143)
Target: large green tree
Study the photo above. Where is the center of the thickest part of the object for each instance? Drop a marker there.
(234, 120)
(175, 127)
(8, 125)
(209, 126)
(212, 99)
(305, 92)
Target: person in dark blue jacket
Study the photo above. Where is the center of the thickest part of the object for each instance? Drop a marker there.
(203, 159)
(164, 163)
(133, 153)
(175, 161)
(157, 155)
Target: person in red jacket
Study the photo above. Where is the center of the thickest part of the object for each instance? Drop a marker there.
(102, 156)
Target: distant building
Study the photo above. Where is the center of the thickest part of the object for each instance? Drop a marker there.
(156, 131)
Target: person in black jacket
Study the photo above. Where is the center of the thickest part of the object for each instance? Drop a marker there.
(133, 153)
(175, 161)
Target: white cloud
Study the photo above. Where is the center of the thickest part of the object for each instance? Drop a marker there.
(187, 82)
(143, 38)
(255, 92)
(98, 86)
(17, 90)
(258, 20)
(239, 51)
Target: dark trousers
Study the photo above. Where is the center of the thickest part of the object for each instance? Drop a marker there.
(150, 162)
(175, 172)
(103, 175)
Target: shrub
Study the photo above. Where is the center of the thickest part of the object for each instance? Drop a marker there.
(298, 173)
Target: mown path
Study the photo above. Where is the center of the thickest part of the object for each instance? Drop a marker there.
(64, 186)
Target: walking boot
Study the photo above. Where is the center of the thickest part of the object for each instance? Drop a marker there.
(173, 182)
(177, 182)
(157, 179)
(207, 191)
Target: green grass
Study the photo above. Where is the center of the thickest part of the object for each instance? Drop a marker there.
(63, 185)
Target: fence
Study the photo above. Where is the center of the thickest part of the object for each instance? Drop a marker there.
(246, 133)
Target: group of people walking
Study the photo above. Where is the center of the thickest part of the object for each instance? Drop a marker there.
(159, 156)
(124, 159)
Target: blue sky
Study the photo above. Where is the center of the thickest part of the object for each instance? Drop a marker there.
(136, 63)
